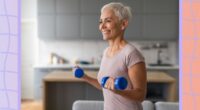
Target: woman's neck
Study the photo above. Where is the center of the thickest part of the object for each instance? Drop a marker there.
(117, 44)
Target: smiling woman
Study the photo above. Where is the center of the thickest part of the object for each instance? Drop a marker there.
(119, 59)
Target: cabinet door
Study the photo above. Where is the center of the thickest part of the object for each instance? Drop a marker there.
(67, 27)
(90, 27)
(134, 29)
(39, 74)
(46, 6)
(160, 21)
(153, 20)
(90, 6)
(135, 5)
(46, 27)
(46, 19)
(67, 6)
(93, 6)
(161, 6)
(161, 27)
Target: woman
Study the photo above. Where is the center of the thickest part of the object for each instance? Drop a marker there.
(119, 59)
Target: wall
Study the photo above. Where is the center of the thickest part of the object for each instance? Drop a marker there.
(88, 50)
(29, 44)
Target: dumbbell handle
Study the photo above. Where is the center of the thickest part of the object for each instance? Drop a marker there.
(78, 72)
(119, 84)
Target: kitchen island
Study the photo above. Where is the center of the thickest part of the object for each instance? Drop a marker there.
(61, 89)
(40, 71)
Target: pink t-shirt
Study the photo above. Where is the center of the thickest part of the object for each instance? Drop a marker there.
(118, 66)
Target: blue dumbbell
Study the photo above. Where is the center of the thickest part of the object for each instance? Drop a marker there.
(78, 72)
(119, 84)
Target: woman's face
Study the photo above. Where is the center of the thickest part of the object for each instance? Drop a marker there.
(110, 25)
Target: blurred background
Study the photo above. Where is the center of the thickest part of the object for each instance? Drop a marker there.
(57, 34)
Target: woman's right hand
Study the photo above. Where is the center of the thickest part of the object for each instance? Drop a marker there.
(110, 84)
(74, 68)
(78, 72)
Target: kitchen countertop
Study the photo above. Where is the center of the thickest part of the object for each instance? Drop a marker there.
(96, 66)
(60, 76)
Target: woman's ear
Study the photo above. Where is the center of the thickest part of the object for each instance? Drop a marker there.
(124, 24)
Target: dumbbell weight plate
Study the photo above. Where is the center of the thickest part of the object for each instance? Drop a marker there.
(79, 73)
(120, 83)
(103, 81)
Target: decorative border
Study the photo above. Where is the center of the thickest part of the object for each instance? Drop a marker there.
(10, 74)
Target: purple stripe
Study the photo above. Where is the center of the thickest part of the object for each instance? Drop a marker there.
(19, 54)
(9, 15)
(180, 54)
(14, 72)
(9, 34)
(9, 90)
(4, 78)
(7, 109)
(11, 53)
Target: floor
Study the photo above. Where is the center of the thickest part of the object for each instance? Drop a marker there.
(31, 105)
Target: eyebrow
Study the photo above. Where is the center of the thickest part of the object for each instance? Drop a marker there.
(105, 18)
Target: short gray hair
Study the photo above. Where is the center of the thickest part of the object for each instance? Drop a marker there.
(120, 10)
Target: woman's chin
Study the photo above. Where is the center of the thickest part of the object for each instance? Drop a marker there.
(105, 38)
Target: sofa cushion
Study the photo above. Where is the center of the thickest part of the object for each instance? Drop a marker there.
(87, 105)
(98, 105)
(167, 106)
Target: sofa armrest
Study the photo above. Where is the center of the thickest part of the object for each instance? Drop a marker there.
(147, 105)
(167, 106)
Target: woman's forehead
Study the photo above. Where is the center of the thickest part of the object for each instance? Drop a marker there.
(107, 13)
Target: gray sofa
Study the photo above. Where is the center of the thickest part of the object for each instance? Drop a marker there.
(147, 105)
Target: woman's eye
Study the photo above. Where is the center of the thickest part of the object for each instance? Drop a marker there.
(108, 21)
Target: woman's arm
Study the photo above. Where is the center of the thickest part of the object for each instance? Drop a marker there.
(137, 75)
(92, 81)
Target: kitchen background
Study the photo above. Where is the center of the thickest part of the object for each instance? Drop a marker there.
(69, 29)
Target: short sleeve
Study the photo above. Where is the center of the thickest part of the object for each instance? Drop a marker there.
(134, 57)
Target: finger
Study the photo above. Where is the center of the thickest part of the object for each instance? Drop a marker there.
(111, 83)
(107, 85)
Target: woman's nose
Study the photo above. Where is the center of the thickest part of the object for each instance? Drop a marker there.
(102, 26)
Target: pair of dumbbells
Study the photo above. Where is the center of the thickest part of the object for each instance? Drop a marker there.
(119, 84)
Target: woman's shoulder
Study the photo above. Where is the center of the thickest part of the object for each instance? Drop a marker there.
(105, 50)
(131, 48)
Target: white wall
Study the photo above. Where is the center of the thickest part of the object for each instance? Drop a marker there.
(29, 44)
(87, 50)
